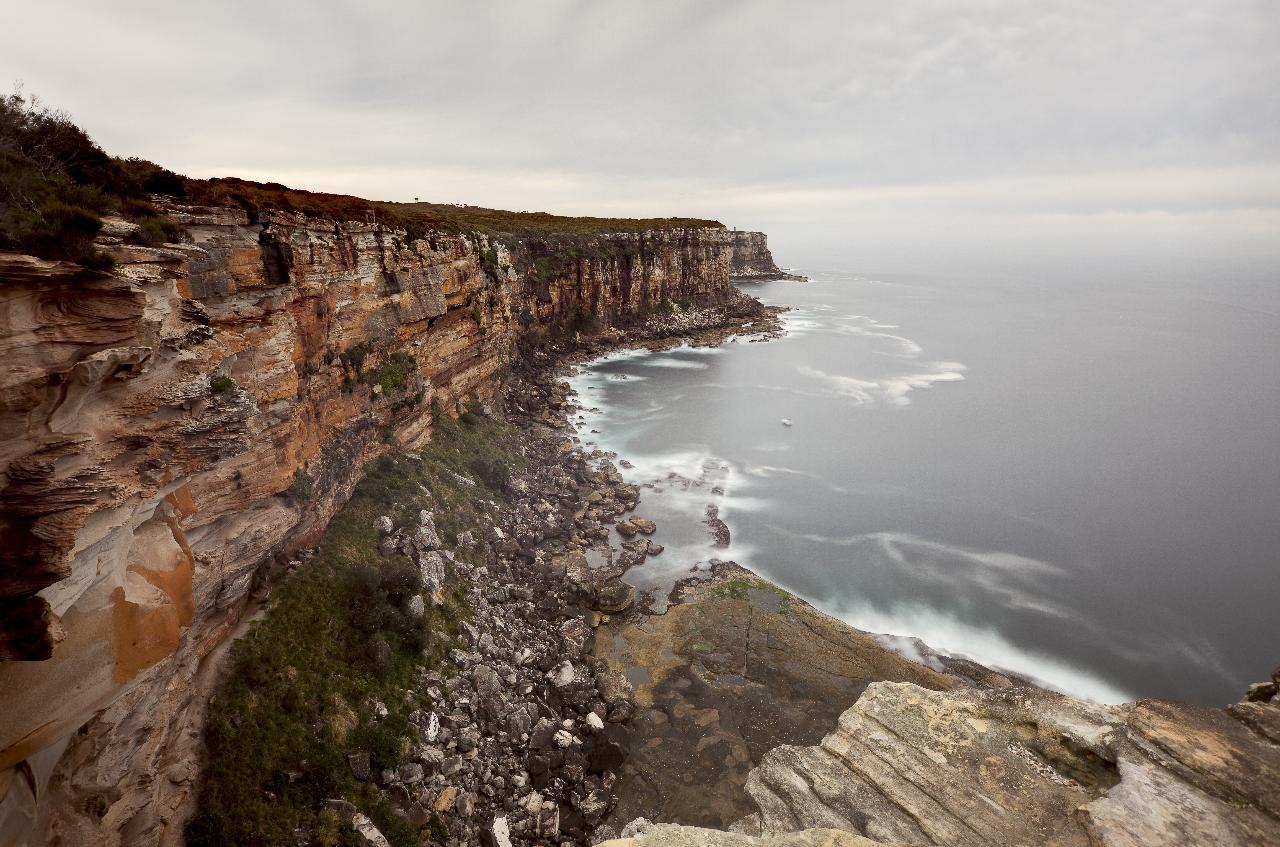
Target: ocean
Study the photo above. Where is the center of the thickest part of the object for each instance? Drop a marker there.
(1073, 479)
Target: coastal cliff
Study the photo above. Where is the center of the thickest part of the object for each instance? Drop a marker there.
(176, 427)
(752, 259)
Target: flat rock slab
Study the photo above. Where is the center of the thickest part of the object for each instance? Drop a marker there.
(1025, 766)
(733, 670)
(668, 835)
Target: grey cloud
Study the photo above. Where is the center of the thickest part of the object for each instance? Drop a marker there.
(727, 109)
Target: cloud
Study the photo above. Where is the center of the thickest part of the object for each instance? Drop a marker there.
(872, 128)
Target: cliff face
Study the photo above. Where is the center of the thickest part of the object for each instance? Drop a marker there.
(174, 429)
(752, 259)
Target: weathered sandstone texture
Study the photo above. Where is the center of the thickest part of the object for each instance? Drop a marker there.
(731, 670)
(641, 833)
(752, 259)
(1015, 766)
(174, 428)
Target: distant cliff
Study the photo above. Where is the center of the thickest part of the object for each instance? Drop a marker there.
(752, 259)
(176, 425)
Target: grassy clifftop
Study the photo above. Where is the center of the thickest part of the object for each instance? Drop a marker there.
(56, 183)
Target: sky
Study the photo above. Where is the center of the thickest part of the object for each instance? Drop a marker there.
(880, 133)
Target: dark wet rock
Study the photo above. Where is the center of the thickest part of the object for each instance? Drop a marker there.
(718, 528)
(607, 750)
(614, 596)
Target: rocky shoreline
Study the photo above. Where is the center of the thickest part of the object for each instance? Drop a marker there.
(736, 677)
(518, 735)
(733, 666)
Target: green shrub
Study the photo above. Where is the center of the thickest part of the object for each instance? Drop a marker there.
(392, 374)
(338, 626)
(56, 183)
(155, 230)
(301, 487)
(354, 356)
(220, 383)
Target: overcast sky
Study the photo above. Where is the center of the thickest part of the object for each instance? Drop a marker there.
(874, 130)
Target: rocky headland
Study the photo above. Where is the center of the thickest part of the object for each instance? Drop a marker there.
(300, 548)
(753, 261)
(178, 427)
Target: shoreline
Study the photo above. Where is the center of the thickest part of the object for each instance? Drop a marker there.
(710, 702)
(759, 719)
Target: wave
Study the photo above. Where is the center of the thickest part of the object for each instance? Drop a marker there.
(892, 390)
(674, 363)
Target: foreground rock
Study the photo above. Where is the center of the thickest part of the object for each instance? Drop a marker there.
(734, 668)
(645, 834)
(1025, 766)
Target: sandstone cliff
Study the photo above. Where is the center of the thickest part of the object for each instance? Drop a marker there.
(752, 259)
(911, 766)
(174, 427)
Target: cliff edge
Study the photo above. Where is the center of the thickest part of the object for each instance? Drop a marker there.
(752, 259)
(177, 426)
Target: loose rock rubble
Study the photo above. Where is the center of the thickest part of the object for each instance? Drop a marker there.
(527, 729)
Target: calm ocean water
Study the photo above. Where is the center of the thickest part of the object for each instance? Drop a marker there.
(1074, 480)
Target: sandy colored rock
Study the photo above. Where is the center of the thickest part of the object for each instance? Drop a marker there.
(668, 835)
(733, 670)
(181, 425)
(1025, 766)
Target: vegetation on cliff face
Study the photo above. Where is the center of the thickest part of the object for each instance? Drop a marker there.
(337, 638)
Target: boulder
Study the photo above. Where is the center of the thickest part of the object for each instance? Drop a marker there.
(367, 832)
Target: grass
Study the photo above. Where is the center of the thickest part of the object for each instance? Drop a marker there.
(392, 374)
(517, 226)
(56, 184)
(335, 639)
(740, 588)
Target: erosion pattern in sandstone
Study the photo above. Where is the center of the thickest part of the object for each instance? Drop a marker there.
(966, 767)
(752, 259)
(155, 421)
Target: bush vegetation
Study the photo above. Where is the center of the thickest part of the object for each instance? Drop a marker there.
(56, 183)
(393, 373)
(337, 638)
(301, 487)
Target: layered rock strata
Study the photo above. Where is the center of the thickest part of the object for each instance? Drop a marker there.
(173, 428)
(752, 259)
(1025, 766)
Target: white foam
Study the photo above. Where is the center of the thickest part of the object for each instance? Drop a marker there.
(670, 362)
(892, 390)
(985, 646)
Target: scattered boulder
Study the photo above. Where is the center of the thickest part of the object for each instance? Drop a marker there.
(359, 764)
(368, 833)
(644, 525)
(614, 596)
